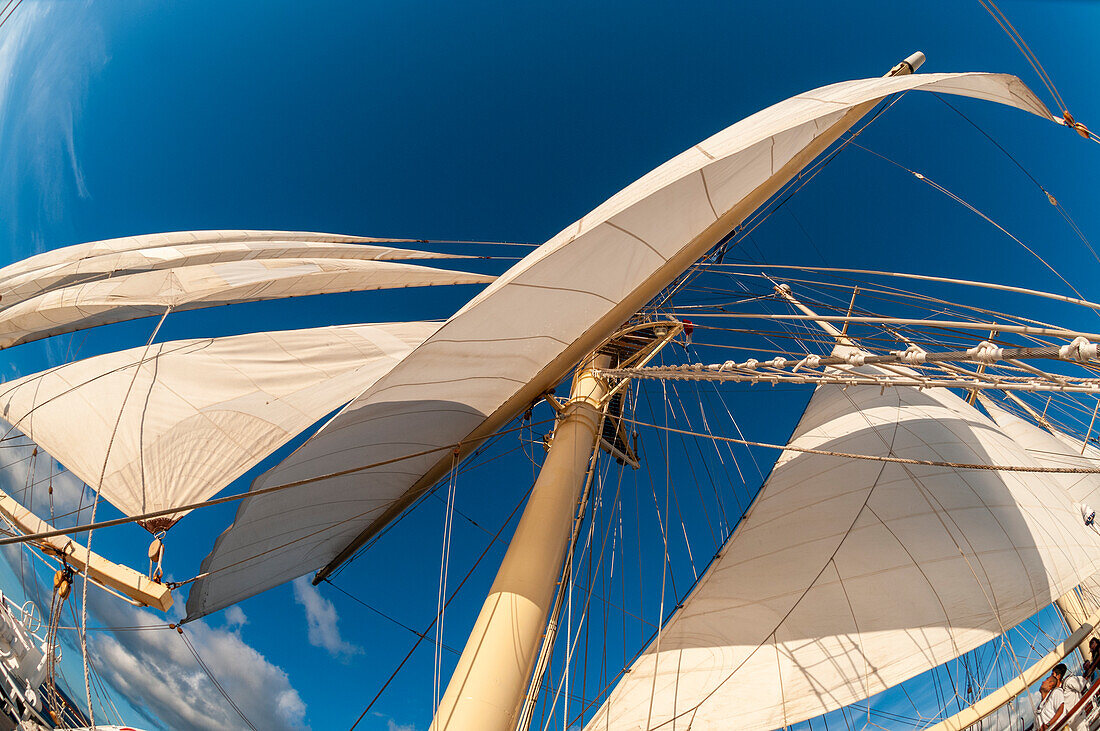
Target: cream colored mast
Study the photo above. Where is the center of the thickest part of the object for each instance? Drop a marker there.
(486, 691)
(488, 684)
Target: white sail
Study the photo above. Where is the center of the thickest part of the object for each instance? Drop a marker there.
(848, 576)
(76, 252)
(525, 332)
(199, 413)
(1052, 451)
(207, 285)
(20, 287)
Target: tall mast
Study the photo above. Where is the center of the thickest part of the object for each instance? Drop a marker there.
(486, 691)
(488, 684)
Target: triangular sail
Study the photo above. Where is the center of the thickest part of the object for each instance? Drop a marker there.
(199, 412)
(20, 287)
(525, 332)
(849, 576)
(207, 285)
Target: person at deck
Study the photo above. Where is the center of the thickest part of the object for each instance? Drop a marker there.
(1073, 686)
(1052, 705)
(1093, 665)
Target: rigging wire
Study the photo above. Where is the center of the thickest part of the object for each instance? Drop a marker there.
(95, 504)
(444, 565)
(880, 458)
(231, 498)
(389, 617)
(5, 18)
(1018, 40)
(210, 674)
(925, 179)
(423, 635)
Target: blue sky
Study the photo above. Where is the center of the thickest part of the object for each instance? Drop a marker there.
(481, 121)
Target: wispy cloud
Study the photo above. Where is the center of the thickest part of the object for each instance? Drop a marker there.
(392, 724)
(48, 54)
(322, 619)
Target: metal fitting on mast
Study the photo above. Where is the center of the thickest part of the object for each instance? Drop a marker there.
(909, 65)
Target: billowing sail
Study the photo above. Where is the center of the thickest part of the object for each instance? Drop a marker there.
(524, 333)
(76, 252)
(20, 287)
(199, 413)
(1052, 451)
(849, 576)
(207, 285)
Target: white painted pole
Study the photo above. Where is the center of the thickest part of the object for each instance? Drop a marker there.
(488, 685)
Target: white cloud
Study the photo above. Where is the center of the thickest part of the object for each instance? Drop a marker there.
(30, 477)
(157, 672)
(322, 620)
(393, 725)
(235, 618)
(154, 669)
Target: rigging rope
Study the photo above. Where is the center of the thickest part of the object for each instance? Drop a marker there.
(444, 564)
(880, 458)
(231, 498)
(1053, 201)
(95, 505)
(424, 634)
(925, 179)
(210, 674)
(62, 585)
(1018, 40)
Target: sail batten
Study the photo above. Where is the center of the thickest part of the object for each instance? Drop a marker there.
(200, 412)
(898, 569)
(502, 350)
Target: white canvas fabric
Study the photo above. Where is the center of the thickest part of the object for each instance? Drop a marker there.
(526, 331)
(1051, 451)
(76, 252)
(207, 285)
(15, 289)
(847, 577)
(199, 413)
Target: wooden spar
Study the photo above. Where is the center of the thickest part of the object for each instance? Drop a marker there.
(1004, 695)
(954, 324)
(122, 579)
(919, 277)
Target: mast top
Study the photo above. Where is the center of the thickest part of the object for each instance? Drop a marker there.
(910, 65)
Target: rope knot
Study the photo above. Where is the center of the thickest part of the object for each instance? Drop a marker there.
(1075, 125)
(778, 362)
(810, 361)
(913, 355)
(751, 364)
(1080, 350)
(856, 358)
(985, 352)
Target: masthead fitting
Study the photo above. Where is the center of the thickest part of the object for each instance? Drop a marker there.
(909, 65)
